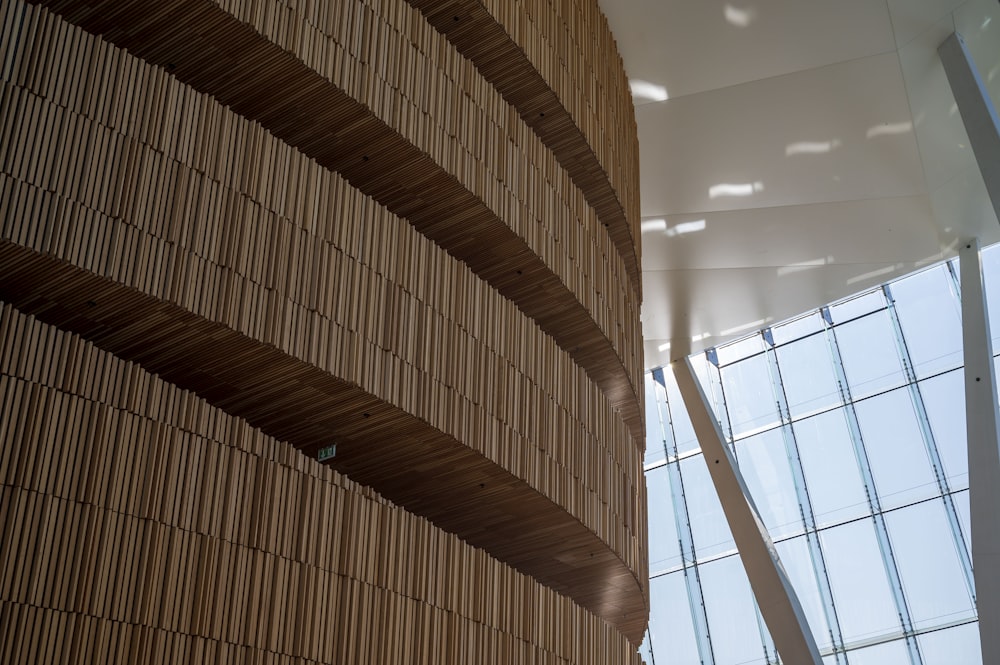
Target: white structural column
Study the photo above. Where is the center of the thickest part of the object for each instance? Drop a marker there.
(777, 600)
(978, 112)
(981, 411)
(983, 424)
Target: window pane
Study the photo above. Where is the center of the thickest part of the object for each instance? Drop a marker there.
(870, 355)
(861, 591)
(732, 619)
(855, 307)
(658, 440)
(798, 564)
(944, 401)
(764, 466)
(961, 500)
(932, 577)
(750, 396)
(644, 649)
(683, 431)
(924, 548)
(741, 349)
(664, 549)
(707, 375)
(955, 645)
(890, 653)
(831, 468)
(991, 283)
(671, 630)
(930, 318)
(808, 375)
(996, 372)
(711, 382)
(800, 327)
(895, 449)
(708, 524)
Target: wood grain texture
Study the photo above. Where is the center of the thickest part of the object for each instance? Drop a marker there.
(174, 232)
(563, 75)
(336, 92)
(140, 524)
(299, 236)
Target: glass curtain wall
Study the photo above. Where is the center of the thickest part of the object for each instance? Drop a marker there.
(848, 425)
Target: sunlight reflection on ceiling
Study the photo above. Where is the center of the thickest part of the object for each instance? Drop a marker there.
(804, 265)
(651, 225)
(696, 338)
(811, 147)
(889, 128)
(646, 91)
(874, 273)
(729, 189)
(686, 227)
(753, 325)
(740, 17)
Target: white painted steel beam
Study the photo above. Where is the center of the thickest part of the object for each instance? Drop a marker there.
(777, 600)
(977, 110)
(983, 424)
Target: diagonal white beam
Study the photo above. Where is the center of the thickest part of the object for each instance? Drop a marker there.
(983, 425)
(777, 600)
(977, 110)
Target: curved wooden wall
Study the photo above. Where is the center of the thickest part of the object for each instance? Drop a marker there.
(128, 534)
(399, 139)
(563, 75)
(408, 271)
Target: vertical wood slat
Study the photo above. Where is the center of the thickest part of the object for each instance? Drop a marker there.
(573, 92)
(168, 196)
(378, 284)
(564, 449)
(505, 225)
(137, 577)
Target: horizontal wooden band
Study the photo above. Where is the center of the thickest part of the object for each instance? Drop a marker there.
(484, 39)
(406, 461)
(205, 46)
(130, 505)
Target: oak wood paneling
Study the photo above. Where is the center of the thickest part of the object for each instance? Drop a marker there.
(575, 99)
(332, 113)
(413, 464)
(295, 258)
(310, 299)
(231, 263)
(128, 534)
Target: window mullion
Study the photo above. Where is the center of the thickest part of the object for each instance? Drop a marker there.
(881, 531)
(805, 504)
(930, 445)
(685, 534)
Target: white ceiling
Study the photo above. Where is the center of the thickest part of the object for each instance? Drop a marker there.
(794, 152)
